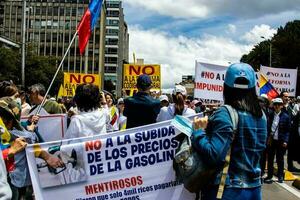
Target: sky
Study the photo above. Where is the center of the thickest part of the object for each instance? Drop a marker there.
(176, 33)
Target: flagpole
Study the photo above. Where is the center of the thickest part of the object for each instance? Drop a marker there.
(61, 63)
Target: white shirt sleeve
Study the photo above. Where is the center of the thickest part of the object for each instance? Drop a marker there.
(73, 129)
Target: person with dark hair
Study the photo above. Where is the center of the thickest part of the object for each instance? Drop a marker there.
(243, 181)
(279, 131)
(8, 89)
(25, 106)
(36, 95)
(292, 149)
(141, 109)
(113, 112)
(91, 120)
(179, 106)
(264, 103)
(13, 147)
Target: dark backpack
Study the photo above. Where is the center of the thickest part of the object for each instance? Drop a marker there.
(189, 166)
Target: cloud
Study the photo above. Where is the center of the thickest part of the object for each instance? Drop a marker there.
(208, 8)
(254, 36)
(177, 55)
(231, 28)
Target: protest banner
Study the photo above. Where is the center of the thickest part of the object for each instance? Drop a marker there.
(51, 127)
(135, 164)
(281, 78)
(132, 71)
(209, 80)
(71, 80)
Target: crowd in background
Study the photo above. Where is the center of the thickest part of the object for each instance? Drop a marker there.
(92, 112)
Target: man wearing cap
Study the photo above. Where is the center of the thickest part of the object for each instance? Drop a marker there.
(141, 109)
(278, 130)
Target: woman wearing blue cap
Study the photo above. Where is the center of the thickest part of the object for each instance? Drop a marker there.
(243, 180)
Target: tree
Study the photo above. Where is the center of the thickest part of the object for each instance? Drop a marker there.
(285, 50)
(9, 62)
(38, 69)
(41, 69)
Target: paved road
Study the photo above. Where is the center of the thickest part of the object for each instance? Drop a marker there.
(276, 191)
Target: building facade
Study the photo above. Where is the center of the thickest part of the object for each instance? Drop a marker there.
(51, 25)
(116, 45)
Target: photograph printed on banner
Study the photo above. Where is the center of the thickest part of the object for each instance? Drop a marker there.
(73, 170)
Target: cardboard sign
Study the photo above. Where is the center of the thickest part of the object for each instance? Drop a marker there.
(71, 80)
(282, 79)
(131, 73)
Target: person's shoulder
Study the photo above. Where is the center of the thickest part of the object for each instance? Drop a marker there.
(190, 111)
(51, 103)
(285, 115)
(128, 100)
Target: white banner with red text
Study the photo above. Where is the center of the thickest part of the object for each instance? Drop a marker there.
(209, 81)
(282, 79)
(134, 164)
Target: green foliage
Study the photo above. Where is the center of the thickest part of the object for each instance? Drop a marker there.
(285, 50)
(41, 69)
(38, 69)
(10, 65)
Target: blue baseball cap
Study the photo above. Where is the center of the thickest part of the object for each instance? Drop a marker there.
(143, 81)
(240, 70)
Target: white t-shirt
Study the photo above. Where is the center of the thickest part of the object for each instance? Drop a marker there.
(167, 113)
(88, 124)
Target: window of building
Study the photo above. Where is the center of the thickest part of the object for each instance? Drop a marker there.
(114, 32)
(112, 4)
(111, 41)
(110, 69)
(112, 22)
(111, 51)
(111, 60)
(112, 13)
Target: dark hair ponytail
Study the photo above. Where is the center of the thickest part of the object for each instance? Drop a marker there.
(179, 103)
(243, 99)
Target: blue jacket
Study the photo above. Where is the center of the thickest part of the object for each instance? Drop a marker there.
(284, 126)
(141, 109)
(248, 145)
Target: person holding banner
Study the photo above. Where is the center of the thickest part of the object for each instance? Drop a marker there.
(91, 120)
(141, 109)
(15, 139)
(243, 180)
(178, 107)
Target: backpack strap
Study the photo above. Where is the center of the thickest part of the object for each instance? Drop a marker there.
(234, 119)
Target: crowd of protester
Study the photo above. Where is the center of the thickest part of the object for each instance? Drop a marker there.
(91, 112)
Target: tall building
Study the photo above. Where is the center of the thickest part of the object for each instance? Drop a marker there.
(116, 45)
(51, 24)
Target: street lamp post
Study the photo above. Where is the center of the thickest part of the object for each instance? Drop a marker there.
(270, 50)
(23, 42)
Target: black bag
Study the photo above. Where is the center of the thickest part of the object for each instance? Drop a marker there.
(189, 166)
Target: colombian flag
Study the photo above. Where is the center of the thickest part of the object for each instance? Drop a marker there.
(87, 23)
(265, 87)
